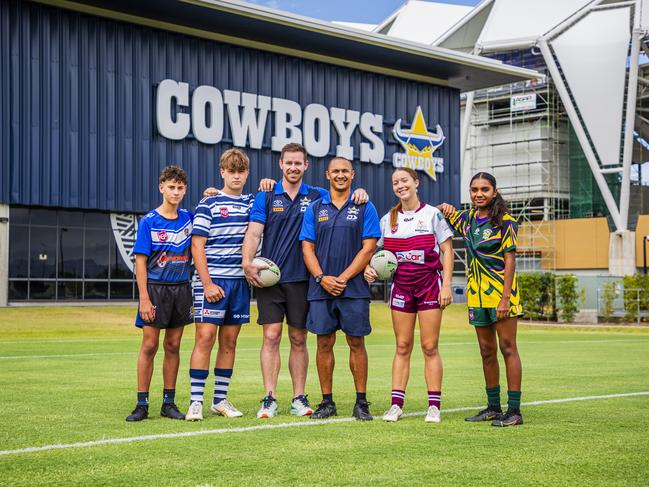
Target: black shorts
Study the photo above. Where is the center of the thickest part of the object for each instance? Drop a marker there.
(173, 305)
(283, 300)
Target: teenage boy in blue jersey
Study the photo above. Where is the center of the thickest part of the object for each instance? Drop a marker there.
(338, 240)
(278, 215)
(163, 268)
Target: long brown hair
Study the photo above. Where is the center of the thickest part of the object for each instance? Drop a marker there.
(498, 207)
(394, 211)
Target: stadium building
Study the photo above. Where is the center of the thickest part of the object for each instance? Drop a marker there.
(96, 97)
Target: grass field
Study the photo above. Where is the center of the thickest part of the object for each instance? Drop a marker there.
(67, 376)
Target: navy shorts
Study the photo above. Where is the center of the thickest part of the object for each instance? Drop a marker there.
(351, 315)
(173, 305)
(233, 309)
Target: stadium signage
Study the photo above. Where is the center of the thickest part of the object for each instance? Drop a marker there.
(203, 113)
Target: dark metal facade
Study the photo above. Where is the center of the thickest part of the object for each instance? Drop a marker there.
(77, 107)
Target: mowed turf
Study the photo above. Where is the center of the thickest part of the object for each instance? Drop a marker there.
(67, 375)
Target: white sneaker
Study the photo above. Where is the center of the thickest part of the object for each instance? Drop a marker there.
(195, 412)
(268, 408)
(300, 406)
(433, 415)
(393, 414)
(225, 408)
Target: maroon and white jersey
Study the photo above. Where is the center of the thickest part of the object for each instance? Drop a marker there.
(415, 241)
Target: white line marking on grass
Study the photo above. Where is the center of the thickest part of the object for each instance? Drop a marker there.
(10, 357)
(296, 424)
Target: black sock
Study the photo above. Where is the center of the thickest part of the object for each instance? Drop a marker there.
(168, 395)
(327, 397)
(361, 396)
(143, 398)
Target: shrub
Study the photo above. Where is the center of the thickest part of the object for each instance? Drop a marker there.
(537, 295)
(631, 285)
(609, 293)
(568, 297)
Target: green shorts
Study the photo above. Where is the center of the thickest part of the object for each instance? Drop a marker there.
(487, 316)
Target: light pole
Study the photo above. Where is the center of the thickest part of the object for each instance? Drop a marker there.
(644, 253)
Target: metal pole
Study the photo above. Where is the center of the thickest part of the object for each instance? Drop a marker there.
(637, 297)
(644, 254)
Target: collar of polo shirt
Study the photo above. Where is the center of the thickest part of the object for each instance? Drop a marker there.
(304, 189)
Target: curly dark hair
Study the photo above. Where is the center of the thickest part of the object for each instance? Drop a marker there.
(173, 173)
(498, 207)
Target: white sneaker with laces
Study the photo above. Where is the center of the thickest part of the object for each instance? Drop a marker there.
(393, 414)
(300, 406)
(195, 412)
(268, 408)
(225, 408)
(433, 415)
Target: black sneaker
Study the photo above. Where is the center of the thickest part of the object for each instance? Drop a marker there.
(490, 413)
(170, 410)
(139, 413)
(511, 418)
(362, 411)
(324, 410)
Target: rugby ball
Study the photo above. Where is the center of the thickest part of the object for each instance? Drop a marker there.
(269, 276)
(384, 263)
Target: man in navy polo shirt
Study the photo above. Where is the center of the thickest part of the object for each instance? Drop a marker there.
(338, 240)
(278, 216)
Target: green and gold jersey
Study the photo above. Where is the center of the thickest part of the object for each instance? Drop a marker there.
(486, 246)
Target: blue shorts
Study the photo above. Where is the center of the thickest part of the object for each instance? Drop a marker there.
(351, 315)
(233, 309)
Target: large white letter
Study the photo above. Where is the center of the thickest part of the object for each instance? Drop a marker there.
(207, 98)
(288, 115)
(316, 144)
(169, 89)
(339, 116)
(249, 126)
(371, 125)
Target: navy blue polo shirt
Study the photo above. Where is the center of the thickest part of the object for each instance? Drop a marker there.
(338, 236)
(282, 220)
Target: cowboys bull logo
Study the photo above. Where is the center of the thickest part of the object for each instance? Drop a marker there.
(419, 144)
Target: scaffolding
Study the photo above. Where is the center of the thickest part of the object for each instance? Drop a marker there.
(526, 149)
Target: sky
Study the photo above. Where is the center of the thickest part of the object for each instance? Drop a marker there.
(364, 11)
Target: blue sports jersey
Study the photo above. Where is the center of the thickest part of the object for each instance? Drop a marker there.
(282, 220)
(338, 236)
(166, 243)
(223, 219)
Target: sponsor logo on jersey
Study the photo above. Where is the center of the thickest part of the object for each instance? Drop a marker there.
(224, 211)
(278, 206)
(421, 226)
(414, 256)
(186, 231)
(419, 144)
(162, 260)
(323, 215)
(213, 313)
(409, 219)
(278, 209)
(398, 303)
(162, 236)
(352, 213)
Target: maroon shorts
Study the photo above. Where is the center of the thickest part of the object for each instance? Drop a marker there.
(419, 299)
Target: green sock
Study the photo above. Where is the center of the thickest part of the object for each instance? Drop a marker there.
(493, 397)
(514, 400)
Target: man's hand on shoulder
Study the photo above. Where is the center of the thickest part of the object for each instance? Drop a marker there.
(211, 192)
(267, 184)
(360, 196)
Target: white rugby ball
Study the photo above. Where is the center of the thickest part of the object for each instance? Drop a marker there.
(384, 263)
(269, 276)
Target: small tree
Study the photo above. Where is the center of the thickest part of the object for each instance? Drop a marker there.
(609, 293)
(568, 297)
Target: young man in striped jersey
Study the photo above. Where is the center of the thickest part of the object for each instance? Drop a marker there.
(221, 293)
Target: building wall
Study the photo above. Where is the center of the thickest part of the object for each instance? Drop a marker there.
(77, 101)
(641, 231)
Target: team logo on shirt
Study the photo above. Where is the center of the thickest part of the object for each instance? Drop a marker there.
(162, 236)
(224, 211)
(421, 226)
(278, 206)
(419, 144)
(352, 213)
(323, 215)
(304, 203)
(186, 231)
(487, 233)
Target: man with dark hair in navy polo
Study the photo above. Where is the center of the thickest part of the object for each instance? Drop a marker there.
(278, 214)
(338, 240)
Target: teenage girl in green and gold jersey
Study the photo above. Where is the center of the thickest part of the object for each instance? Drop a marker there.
(489, 233)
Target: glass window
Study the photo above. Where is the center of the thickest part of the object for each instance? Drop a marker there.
(121, 290)
(70, 290)
(101, 220)
(18, 251)
(70, 218)
(96, 257)
(96, 290)
(70, 253)
(42, 252)
(118, 268)
(17, 290)
(18, 215)
(40, 216)
(42, 290)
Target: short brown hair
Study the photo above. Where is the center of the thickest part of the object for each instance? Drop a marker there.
(235, 160)
(173, 173)
(293, 147)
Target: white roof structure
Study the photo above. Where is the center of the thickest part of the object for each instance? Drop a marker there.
(423, 22)
(356, 25)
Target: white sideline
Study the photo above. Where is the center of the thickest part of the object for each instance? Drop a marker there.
(131, 439)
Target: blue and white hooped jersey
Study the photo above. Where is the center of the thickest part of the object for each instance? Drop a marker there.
(167, 245)
(223, 219)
